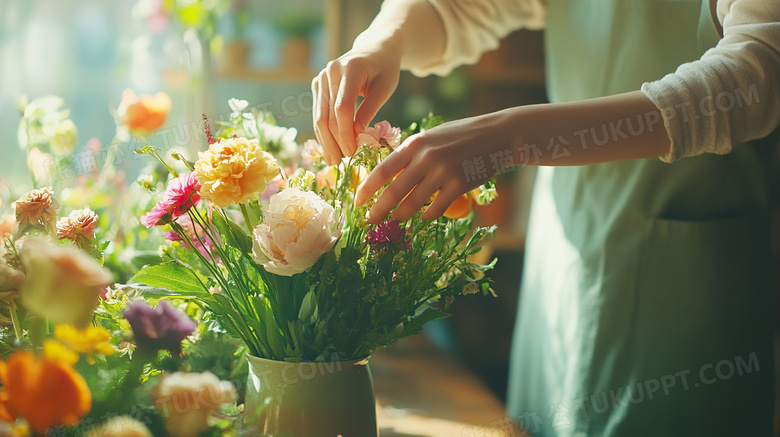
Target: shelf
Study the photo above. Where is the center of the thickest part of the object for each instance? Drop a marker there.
(260, 75)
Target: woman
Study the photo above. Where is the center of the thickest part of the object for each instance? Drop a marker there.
(646, 303)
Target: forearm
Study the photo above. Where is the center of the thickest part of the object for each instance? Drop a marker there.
(616, 128)
(411, 26)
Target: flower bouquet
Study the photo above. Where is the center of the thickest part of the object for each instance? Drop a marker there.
(283, 259)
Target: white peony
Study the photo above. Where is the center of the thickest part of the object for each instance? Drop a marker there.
(298, 228)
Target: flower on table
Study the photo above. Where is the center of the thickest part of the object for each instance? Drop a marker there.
(162, 327)
(234, 171)
(144, 113)
(298, 228)
(62, 282)
(88, 341)
(43, 390)
(386, 235)
(186, 400)
(180, 195)
(120, 426)
(78, 225)
(36, 208)
(381, 134)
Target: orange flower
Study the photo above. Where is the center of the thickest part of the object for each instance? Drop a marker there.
(44, 391)
(460, 208)
(144, 113)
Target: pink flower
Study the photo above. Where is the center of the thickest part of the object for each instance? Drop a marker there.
(381, 134)
(312, 153)
(159, 215)
(78, 225)
(180, 196)
(192, 237)
(386, 235)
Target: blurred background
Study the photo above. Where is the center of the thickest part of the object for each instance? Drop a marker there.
(203, 52)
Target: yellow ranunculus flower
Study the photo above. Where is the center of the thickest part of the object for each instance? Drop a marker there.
(234, 171)
(89, 341)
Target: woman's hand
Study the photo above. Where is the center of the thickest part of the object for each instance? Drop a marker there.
(370, 70)
(433, 161)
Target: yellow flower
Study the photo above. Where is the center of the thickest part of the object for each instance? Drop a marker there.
(89, 341)
(53, 350)
(234, 171)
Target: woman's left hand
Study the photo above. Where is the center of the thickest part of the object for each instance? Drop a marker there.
(440, 161)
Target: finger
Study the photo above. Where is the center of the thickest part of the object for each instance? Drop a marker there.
(440, 204)
(386, 170)
(315, 110)
(346, 99)
(373, 101)
(393, 194)
(334, 84)
(419, 196)
(322, 126)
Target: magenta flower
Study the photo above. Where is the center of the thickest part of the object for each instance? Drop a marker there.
(192, 240)
(158, 328)
(381, 134)
(180, 195)
(387, 234)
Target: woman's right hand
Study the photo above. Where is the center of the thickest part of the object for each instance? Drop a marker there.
(370, 70)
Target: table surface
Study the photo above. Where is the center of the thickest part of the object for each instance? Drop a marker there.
(422, 391)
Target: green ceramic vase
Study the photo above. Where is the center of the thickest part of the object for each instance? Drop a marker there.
(310, 399)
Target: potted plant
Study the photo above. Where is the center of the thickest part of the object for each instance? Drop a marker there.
(301, 278)
(235, 55)
(296, 28)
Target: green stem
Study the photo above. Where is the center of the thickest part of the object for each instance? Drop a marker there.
(38, 332)
(247, 218)
(131, 381)
(15, 320)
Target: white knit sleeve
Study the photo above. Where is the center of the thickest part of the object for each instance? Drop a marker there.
(730, 95)
(473, 27)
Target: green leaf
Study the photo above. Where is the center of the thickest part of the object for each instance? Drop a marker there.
(232, 234)
(416, 323)
(173, 276)
(308, 311)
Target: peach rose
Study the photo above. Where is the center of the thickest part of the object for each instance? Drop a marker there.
(78, 225)
(298, 228)
(234, 171)
(62, 282)
(37, 207)
(186, 400)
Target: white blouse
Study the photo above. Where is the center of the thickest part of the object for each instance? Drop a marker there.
(729, 96)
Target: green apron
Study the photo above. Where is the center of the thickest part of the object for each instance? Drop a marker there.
(646, 303)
